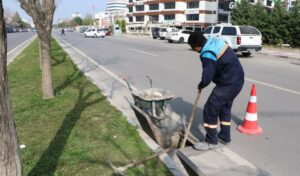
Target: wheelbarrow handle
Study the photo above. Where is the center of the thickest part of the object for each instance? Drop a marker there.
(127, 82)
(151, 84)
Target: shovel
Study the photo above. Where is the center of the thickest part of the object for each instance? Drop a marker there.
(187, 131)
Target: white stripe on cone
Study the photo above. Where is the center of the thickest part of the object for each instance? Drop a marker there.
(251, 117)
(252, 99)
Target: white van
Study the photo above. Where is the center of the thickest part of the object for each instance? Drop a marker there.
(245, 39)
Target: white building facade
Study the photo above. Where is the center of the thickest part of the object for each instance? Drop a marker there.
(191, 14)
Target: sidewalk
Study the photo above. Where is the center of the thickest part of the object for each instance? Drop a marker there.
(282, 53)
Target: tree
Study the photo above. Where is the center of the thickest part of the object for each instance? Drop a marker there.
(42, 12)
(88, 20)
(10, 160)
(294, 27)
(260, 19)
(17, 21)
(241, 15)
(77, 21)
(123, 26)
(280, 19)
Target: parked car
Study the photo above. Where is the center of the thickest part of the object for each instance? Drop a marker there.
(163, 32)
(9, 30)
(180, 36)
(169, 32)
(94, 32)
(155, 32)
(244, 39)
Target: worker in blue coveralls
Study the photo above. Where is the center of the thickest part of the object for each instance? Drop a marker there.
(220, 65)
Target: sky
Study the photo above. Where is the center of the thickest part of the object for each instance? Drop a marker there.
(65, 8)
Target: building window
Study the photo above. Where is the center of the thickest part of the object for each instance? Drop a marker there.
(223, 18)
(192, 17)
(154, 18)
(269, 3)
(153, 7)
(130, 9)
(252, 1)
(192, 5)
(170, 5)
(169, 17)
(130, 1)
(139, 18)
(229, 31)
(139, 8)
(130, 19)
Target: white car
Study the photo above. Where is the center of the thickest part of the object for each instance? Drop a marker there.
(169, 32)
(245, 39)
(94, 32)
(180, 36)
(163, 32)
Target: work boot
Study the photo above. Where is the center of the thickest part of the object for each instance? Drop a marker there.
(225, 142)
(202, 146)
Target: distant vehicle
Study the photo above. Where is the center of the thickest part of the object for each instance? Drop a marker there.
(33, 29)
(82, 29)
(25, 30)
(94, 32)
(9, 30)
(155, 32)
(169, 32)
(180, 36)
(71, 29)
(19, 30)
(164, 31)
(244, 39)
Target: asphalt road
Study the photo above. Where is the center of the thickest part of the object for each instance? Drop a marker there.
(175, 67)
(15, 39)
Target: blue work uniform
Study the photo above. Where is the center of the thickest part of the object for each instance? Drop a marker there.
(220, 65)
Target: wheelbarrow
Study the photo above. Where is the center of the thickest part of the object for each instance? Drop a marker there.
(152, 100)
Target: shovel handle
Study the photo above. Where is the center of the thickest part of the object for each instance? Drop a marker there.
(187, 131)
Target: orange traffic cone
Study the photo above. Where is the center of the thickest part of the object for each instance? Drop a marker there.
(250, 124)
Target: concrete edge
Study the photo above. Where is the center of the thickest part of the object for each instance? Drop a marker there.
(166, 159)
(278, 55)
(11, 55)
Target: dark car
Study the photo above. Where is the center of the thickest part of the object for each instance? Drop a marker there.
(9, 30)
(155, 32)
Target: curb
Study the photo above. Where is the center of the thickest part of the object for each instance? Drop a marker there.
(11, 55)
(279, 55)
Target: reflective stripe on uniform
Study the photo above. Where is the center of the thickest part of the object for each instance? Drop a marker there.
(225, 123)
(210, 126)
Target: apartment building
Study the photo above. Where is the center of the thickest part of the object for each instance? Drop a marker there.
(191, 14)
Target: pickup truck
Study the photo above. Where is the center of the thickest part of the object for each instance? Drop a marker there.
(244, 39)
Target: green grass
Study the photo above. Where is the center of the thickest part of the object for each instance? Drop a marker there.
(72, 134)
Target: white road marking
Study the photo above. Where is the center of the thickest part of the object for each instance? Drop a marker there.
(273, 86)
(100, 66)
(143, 52)
(19, 46)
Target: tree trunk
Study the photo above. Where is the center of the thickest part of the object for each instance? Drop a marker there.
(45, 53)
(10, 160)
